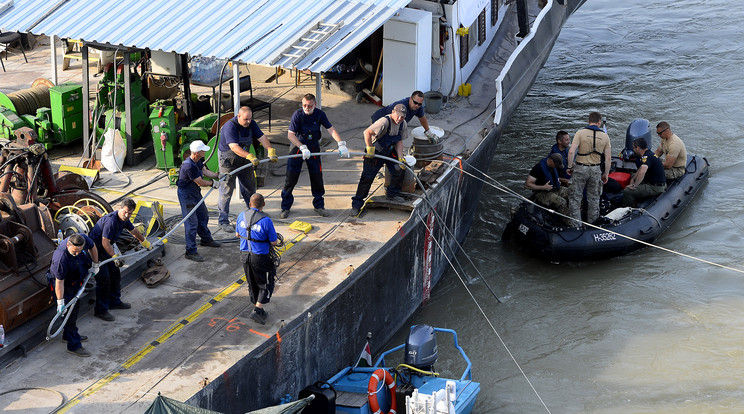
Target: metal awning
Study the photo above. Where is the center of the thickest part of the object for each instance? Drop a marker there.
(265, 32)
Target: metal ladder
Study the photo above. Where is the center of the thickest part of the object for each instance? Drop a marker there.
(308, 42)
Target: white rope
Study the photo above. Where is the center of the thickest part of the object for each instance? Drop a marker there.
(493, 328)
(495, 184)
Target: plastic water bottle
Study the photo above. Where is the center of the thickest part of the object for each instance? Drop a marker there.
(59, 237)
(2, 336)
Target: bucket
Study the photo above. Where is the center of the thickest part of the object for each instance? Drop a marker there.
(433, 102)
(422, 149)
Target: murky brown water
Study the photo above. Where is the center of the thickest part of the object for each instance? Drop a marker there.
(646, 333)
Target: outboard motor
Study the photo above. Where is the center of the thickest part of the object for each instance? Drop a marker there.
(421, 347)
(639, 128)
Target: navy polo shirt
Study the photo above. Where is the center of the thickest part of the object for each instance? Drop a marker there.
(389, 110)
(110, 227)
(190, 170)
(234, 133)
(262, 230)
(307, 127)
(68, 267)
(655, 173)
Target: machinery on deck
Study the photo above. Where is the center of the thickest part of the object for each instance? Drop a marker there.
(110, 110)
(35, 204)
(55, 113)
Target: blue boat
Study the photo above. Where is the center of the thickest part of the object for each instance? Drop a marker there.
(409, 387)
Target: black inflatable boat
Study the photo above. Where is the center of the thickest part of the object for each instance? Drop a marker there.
(544, 234)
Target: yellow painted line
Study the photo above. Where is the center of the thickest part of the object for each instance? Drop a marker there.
(145, 350)
(292, 243)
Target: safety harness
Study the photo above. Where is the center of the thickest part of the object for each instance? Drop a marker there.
(255, 218)
(594, 144)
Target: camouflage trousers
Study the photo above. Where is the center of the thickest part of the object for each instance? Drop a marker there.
(584, 176)
(555, 200)
(674, 172)
(633, 195)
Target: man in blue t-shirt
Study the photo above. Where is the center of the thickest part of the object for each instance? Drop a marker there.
(236, 138)
(190, 181)
(257, 235)
(649, 180)
(414, 107)
(108, 281)
(70, 263)
(304, 134)
(562, 142)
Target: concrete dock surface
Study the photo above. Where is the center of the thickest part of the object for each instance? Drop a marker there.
(196, 324)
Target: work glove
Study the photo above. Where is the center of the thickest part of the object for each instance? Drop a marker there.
(215, 183)
(146, 244)
(305, 152)
(60, 305)
(118, 262)
(433, 138)
(342, 150)
(370, 152)
(272, 155)
(252, 158)
(95, 268)
(403, 163)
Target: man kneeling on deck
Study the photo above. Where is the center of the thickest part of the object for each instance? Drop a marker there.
(649, 180)
(547, 190)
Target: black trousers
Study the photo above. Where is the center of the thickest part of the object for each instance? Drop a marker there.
(260, 273)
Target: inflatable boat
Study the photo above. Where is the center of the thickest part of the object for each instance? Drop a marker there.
(543, 233)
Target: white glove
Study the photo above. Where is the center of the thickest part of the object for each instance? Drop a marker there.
(95, 268)
(342, 150)
(433, 138)
(305, 152)
(60, 305)
(215, 183)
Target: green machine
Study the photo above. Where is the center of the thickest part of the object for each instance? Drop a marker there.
(110, 109)
(67, 112)
(61, 124)
(164, 137)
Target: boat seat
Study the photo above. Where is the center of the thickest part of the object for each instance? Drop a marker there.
(254, 103)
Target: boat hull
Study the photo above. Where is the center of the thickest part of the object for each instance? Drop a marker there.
(529, 225)
(390, 286)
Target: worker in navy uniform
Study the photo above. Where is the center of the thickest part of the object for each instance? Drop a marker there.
(105, 234)
(190, 181)
(71, 262)
(236, 138)
(561, 145)
(257, 235)
(544, 181)
(414, 107)
(384, 137)
(304, 134)
(649, 180)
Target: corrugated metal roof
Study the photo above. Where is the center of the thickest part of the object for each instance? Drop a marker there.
(253, 31)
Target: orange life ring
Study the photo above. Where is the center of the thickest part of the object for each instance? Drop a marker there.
(372, 387)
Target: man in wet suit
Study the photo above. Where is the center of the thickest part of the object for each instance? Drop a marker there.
(673, 150)
(590, 146)
(561, 145)
(649, 180)
(384, 137)
(545, 184)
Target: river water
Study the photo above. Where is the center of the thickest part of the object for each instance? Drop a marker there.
(646, 333)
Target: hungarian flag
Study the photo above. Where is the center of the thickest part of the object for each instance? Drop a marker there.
(365, 358)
